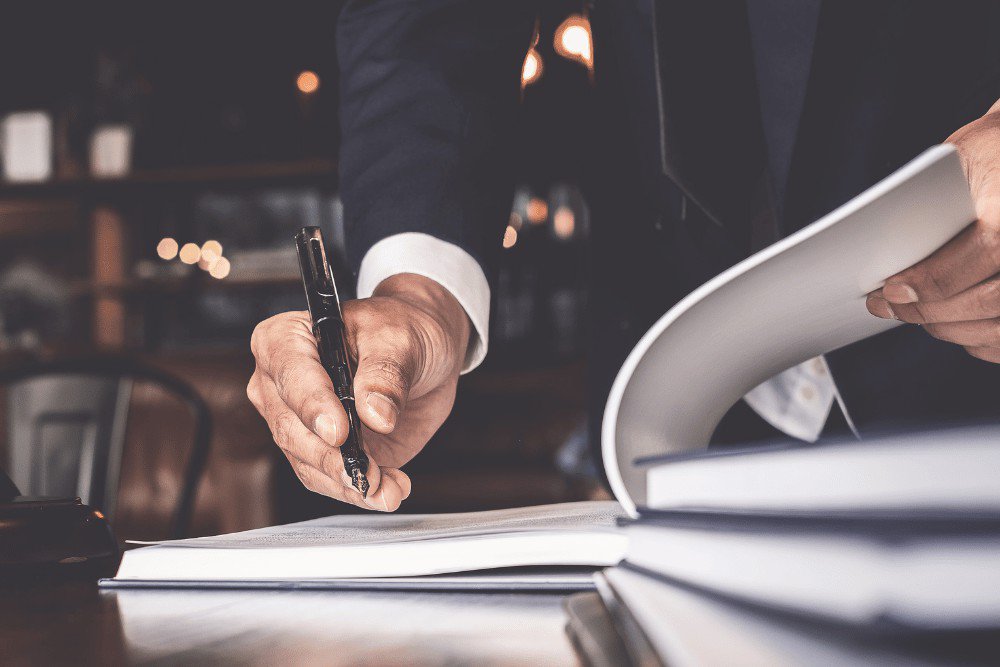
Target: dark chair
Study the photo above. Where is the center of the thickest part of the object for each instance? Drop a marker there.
(66, 429)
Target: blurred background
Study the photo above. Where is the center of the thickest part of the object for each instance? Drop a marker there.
(155, 162)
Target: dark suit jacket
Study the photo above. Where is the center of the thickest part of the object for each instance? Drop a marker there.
(846, 91)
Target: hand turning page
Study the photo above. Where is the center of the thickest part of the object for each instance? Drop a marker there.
(792, 301)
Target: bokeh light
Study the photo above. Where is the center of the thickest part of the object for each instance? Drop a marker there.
(509, 237)
(190, 253)
(220, 268)
(573, 40)
(211, 250)
(564, 222)
(307, 82)
(166, 248)
(537, 210)
(532, 69)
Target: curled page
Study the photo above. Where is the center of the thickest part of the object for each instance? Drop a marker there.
(796, 299)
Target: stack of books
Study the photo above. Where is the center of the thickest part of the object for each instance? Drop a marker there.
(839, 553)
(827, 554)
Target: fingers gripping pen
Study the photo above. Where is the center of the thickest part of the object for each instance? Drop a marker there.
(331, 339)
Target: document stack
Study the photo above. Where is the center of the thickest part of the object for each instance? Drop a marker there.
(843, 553)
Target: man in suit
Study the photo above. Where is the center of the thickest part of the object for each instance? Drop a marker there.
(722, 127)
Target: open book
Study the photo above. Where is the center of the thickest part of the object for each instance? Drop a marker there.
(801, 297)
(363, 547)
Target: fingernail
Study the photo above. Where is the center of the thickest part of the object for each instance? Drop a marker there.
(881, 308)
(899, 293)
(382, 406)
(326, 428)
(377, 500)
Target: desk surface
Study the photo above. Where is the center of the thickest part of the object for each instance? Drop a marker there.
(58, 624)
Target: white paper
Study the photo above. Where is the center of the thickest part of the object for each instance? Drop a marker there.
(359, 546)
(946, 471)
(799, 298)
(921, 582)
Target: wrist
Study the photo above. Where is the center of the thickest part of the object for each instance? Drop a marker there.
(438, 304)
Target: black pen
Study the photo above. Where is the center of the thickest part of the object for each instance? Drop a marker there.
(328, 328)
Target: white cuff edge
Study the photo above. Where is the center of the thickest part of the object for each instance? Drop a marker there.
(443, 262)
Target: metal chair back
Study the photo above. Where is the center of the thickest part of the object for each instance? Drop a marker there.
(66, 424)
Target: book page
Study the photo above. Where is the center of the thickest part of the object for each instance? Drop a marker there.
(391, 545)
(371, 529)
(799, 298)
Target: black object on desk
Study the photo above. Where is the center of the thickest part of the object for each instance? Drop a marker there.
(328, 328)
(58, 538)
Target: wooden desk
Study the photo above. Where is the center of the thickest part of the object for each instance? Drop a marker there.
(78, 624)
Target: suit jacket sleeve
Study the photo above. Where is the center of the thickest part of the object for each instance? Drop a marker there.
(429, 96)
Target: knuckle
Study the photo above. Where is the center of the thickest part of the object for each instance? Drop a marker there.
(275, 330)
(917, 313)
(287, 374)
(988, 297)
(325, 460)
(315, 400)
(988, 209)
(930, 283)
(253, 391)
(306, 476)
(282, 429)
(261, 334)
(389, 373)
(989, 241)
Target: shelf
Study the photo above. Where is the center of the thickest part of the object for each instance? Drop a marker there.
(314, 171)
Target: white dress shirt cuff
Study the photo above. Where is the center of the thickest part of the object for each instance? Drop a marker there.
(444, 263)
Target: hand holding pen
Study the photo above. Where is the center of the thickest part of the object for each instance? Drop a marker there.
(331, 340)
(409, 339)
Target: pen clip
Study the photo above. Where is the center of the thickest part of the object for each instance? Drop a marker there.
(317, 277)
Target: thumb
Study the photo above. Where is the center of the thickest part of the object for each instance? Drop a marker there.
(382, 385)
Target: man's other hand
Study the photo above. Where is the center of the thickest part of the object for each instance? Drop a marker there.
(409, 340)
(955, 293)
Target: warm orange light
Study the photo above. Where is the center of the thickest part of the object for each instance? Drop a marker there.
(573, 40)
(537, 210)
(220, 269)
(211, 250)
(307, 82)
(166, 248)
(509, 237)
(532, 69)
(190, 253)
(564, 222)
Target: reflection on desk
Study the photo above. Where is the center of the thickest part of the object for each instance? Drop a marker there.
(282, 627)
(77, 624)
